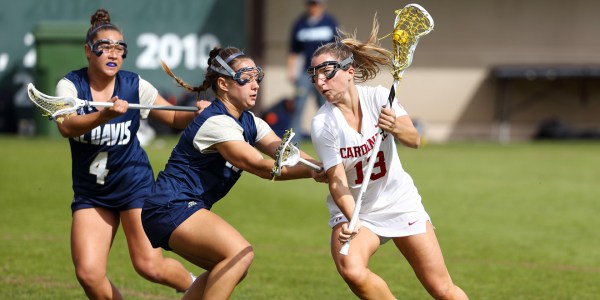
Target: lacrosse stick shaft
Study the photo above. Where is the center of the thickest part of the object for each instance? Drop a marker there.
(142, 106)
(363, 188)
(309, 164)
(412, 22)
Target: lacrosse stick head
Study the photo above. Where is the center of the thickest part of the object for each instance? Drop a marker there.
(412, 22)
(286, 154)
(56, 108)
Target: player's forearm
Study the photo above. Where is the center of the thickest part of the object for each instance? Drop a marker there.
(408, 136)
(182, 119)
(346, 205)
(76, 125)
(405, 132)
(298, 171)
(341, 196)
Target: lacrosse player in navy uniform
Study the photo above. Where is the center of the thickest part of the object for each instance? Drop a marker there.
(111, 172)
(343, 133)
(213, 151)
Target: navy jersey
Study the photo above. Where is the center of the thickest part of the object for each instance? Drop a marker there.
(307, 36)
(109, 166)
(200, 177)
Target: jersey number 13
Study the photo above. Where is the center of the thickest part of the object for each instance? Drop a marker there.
(379, 169)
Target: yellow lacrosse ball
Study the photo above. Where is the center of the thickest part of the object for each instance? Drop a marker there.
(400, 36)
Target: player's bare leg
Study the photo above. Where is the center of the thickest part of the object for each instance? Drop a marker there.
(354, 267)
(149, 262)
(210, 242)
(92, 233)
(425, 256)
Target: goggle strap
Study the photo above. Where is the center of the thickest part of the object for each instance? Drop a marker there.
(225, 64)
(225, 69)
(347, 61)
(233, 56)
(93, 32)
(342, 64)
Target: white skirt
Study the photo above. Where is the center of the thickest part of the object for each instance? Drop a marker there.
(397, 225)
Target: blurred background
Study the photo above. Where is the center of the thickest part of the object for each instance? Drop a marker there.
(493, 70)
(517, 220)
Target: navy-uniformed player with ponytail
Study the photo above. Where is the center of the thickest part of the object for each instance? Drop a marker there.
(111, 172)
(224, 140)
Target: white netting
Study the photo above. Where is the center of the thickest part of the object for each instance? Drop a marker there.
(282, 153)
(56, 107)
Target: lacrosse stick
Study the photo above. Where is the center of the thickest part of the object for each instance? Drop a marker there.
(412, 22)
(287, 154)
(60, 107)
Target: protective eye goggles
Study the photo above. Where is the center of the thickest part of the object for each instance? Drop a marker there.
(243, 75)
(246, 75)
(105, 46)
(329, 68)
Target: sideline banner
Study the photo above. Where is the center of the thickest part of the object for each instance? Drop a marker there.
(181, 33)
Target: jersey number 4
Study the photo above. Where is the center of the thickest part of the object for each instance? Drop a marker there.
(98, 167)
(379, 169)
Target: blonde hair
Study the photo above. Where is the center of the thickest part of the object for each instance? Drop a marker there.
(368, 56)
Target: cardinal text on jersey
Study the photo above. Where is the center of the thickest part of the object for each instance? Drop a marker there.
(356, 151)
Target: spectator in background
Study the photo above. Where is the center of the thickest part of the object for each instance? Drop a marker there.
(315, 27)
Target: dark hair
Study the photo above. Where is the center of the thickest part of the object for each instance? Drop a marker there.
(230, 55)
(100, 21)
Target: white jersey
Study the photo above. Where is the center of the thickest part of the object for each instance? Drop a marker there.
(391, 192)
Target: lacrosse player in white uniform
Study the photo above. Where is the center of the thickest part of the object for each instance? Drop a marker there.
(343, 132)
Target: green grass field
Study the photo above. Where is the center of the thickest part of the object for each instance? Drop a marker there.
(517, 221)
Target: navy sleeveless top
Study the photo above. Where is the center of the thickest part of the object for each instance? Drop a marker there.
(201, 177)
(108, 164)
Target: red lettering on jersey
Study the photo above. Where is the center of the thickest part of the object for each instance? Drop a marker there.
(364, 149)
(358, 151)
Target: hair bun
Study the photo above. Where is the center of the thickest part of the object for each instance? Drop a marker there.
(100, 17)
